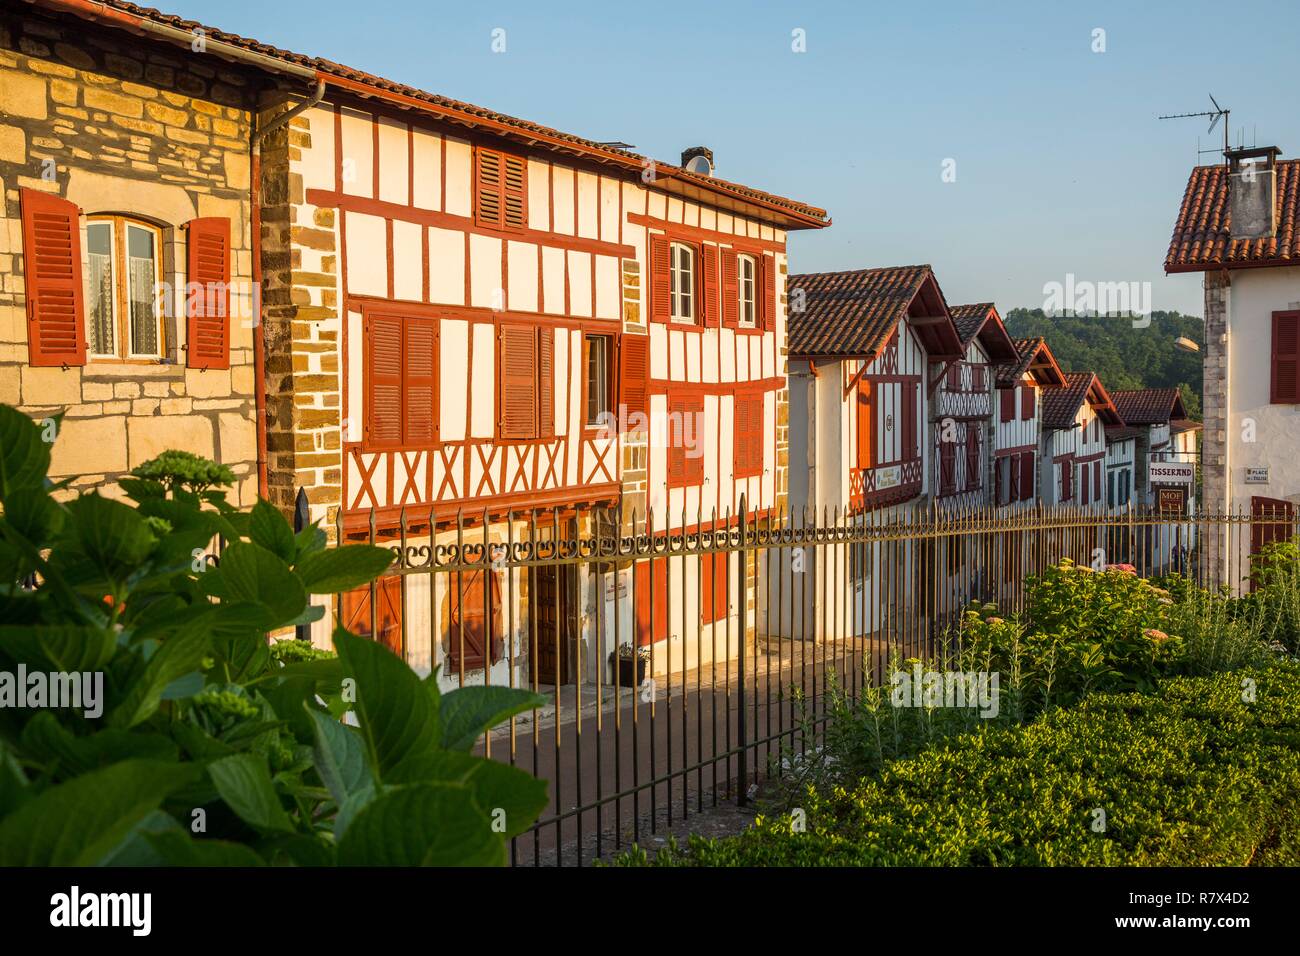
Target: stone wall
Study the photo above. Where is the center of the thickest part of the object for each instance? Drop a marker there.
(303, 332)
(120, 124)
(1214, 444)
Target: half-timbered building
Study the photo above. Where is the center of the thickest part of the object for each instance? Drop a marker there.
(1074, 420)
(1017, 426)
(861, 347)
(489, 332)
(962, 410)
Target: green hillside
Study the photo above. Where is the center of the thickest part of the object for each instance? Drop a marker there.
(1124, 356)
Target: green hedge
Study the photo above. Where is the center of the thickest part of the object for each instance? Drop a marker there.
(1191, 775)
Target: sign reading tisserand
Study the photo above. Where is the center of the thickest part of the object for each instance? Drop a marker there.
(1172, 472)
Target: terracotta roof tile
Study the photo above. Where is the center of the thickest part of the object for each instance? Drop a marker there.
(969, 319)
(1027, 350)
(1148, 406)
(467, 111)
(1061, 402)
(1202, 236)
(851, 313)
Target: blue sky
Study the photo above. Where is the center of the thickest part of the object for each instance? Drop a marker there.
(1061, 165)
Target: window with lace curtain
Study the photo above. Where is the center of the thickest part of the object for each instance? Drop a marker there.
(124, 295)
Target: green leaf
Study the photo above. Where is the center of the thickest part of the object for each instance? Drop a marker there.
(497, 787)
(76, 823)
(249, 572)
(14, 791)
(340, 757)
(62, 647)
(309, 540)
(49, 741)
(398, 721)
(24, 456)
(112, 536)
(178, 848)
(423, 824)
(470, 711)
(342, 569)
(177, 656)
(244, 782)
(33, 514)
(267, 527)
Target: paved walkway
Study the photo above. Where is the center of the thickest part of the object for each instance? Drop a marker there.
(674, 756)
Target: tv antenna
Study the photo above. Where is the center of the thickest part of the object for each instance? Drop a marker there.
(1217, 114)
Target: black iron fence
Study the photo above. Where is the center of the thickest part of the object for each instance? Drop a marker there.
(680, 663)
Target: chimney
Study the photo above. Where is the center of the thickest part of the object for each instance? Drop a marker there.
(698, 159)
(1252, 192)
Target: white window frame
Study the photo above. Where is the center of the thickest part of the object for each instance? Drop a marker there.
(746, 305)
(111, 223)
(119, 236)
(682, 300)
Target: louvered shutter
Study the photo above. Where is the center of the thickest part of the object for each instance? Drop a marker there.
(766, 281)
(488, 191)
(866, 423)
(208, 296)
(972, 456)
(514, 190)
(634, 376)
(947, 466)
(1285, 384)
(730, 289)
(517, 361)
(676, 449)
(56, 313)
(419, 351)
(693, 466)
(748, 435)
(1028, 399)
(708, 284)
(660, 293)
(545, 382)
(714, 586)
(1096, 480)
(1007, 404)
(1027, 476)
(648, 572)
(384, 361)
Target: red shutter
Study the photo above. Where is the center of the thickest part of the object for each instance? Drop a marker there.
(999, 487)
(56, 311)
(488, 190)
(676, 444)
(766, 281)
(383, 381)
(694, 463)
(641, 583)
(208, 295)
(1007, 404)
(1096, 481)
(748, 426)
(474, 620)
(517, 392)
(1028, 398)
(514, 191)
(730, 289)
(386, 626)
(866, 421)
(1026, 476)
(972, 456)
(546, 382)
(908, 393)
(685, 465)
(420, 356)
(1285, 385)
(708, 284)
(634, 377)
(714, 586)
(660, 299)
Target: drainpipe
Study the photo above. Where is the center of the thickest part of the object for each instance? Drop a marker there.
(259, 336)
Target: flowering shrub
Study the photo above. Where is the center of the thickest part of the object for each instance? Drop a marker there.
(210, 747)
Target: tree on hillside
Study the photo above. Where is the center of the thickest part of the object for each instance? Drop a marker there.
(1123, 355)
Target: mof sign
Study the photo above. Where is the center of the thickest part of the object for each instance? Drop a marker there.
(1171, 500)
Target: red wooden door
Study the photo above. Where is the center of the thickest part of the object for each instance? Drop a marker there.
(385, 625)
